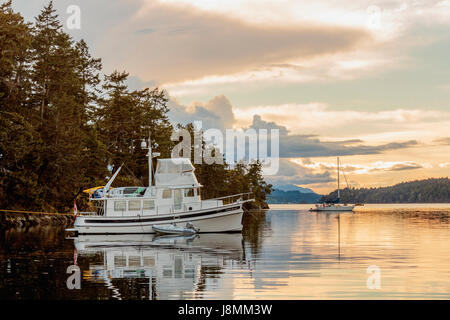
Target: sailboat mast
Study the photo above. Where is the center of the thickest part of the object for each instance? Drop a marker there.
(339, 181)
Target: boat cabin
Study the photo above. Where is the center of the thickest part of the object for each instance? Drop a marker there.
(176, 189)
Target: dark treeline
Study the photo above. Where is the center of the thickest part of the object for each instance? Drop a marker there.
(64, 126)
(420, 191)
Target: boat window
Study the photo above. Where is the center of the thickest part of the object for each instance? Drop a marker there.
(120, 261)
(167, 194)
(161, 168)
(167, 271)
(134, 205)
(149, 261)
(129, 190)
(148, 205)
(187, 167)
(188, 193)
(168, 167)
(140, 192)
(173, 168)
(120, 205)
(189, 272)
(134, 261)
(198, 192)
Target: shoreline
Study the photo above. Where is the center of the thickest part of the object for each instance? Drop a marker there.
(23, 220)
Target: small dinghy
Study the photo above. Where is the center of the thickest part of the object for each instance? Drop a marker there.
(188, 229)
(173, 239)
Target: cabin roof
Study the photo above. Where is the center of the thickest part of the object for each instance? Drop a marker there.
(174, 164)
(175, 172)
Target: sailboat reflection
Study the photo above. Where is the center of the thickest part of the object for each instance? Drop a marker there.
(174, 266)
(328, 217)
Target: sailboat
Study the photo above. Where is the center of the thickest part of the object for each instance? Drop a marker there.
(336, 206)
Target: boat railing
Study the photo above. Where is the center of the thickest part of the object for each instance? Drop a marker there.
(235, 198)
(86, 213)
(206, 204)
(185, 207)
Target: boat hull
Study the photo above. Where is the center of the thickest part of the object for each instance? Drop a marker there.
(223, 219)
(170, 230)
(333, 209)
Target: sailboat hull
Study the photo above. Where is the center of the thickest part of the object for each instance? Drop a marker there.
(333, 208)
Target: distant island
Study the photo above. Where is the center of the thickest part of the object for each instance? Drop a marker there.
(419, 191)
(292, 194)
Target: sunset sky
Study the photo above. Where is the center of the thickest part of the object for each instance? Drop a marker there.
(367, 80)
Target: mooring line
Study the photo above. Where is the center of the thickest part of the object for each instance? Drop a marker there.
(34, 212)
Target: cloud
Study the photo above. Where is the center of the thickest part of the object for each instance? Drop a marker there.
(294, 173)
(392, 27)
(320, 118)
(173, 43)
(219, 113)
(135, 83)
(385, 17)
(306, 146)
(296, 146)
(258, 123)
(216, 113)
(371, 168)
(443, 141)
(444, 165)
(346, 65)
(322, 175)
(405, 166)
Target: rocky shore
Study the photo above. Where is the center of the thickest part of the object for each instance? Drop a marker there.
(19, 220)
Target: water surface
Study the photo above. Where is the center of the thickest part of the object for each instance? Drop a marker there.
(285, 253)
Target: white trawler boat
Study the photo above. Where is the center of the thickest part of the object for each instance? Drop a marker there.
(334, 206)
(174, 198)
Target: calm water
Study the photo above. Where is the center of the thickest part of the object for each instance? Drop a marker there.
(286, 253)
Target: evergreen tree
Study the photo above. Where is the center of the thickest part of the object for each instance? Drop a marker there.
(241, 178)
(125, 118)
(15, 44)
(57, 136)
(88, 70)
(18, 139)
(258, 187)
(59, 95)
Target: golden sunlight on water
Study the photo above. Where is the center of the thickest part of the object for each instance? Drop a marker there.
(326, 255)
(379, 251)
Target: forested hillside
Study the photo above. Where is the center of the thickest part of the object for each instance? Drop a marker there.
(422, 191)
(292, 196)
(64, 126)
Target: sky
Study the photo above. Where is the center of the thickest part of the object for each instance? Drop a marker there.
(365, 80)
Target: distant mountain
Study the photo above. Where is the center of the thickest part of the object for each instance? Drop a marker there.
(292, 187)
(419, 191)
(294, 196)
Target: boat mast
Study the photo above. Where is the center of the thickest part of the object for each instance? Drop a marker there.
(148, 145)
(150, 155)
(339, 181)
(149, 161)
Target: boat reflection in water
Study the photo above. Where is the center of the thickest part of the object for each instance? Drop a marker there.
(171, 267)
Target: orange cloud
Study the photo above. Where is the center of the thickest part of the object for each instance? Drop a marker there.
(178, 43)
